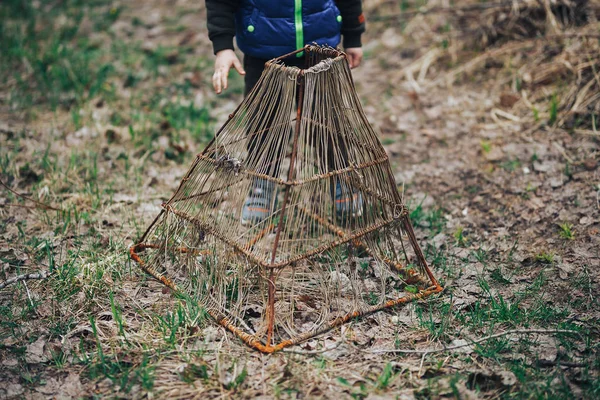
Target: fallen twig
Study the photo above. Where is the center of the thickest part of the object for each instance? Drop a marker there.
(46, 206)
(309, 352)
(36, 275)
(473, 342)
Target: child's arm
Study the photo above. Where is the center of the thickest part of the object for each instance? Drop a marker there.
(221, 30)
(353, 26)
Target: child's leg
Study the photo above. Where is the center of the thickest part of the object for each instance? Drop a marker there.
(261, 200)
(272, 159)
(254, 68)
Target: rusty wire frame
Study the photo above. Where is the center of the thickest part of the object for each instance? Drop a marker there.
(397, 221)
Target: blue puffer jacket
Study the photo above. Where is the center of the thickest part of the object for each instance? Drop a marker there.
(268, 29)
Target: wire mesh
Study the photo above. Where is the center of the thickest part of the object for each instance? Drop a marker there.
(334, 241)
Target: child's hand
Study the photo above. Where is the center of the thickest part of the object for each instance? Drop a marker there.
(355, 56)
(225, 60)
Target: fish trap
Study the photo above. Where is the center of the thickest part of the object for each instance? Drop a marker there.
(335, 243)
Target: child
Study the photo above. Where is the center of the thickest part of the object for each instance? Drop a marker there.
(265, 29)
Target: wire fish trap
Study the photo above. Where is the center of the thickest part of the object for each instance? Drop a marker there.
(337, 242)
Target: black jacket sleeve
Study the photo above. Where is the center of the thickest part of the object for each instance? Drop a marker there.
(220, 16)
(353, 21)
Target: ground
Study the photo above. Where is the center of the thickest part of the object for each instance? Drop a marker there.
(103, 105)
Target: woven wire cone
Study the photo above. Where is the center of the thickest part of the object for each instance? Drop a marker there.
(318, 259)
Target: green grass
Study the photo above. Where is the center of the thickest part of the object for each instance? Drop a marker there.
(432, 219)
(459, 236)
(553, 110)
(123, 373)
(89, 275)
(48, 63)
(536, 114)
(193, 372)
(566, 231)
(386, 377)
(238, 381)
(486, 146)
(545, 257)
(511, 165)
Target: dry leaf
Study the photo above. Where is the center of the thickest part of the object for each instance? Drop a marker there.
(34, 353)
